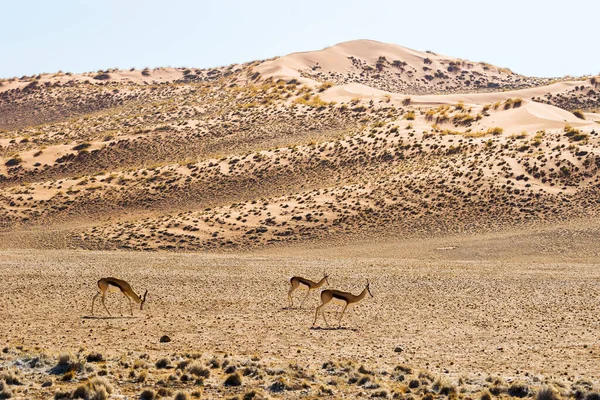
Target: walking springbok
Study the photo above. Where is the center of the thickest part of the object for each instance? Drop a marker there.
(343, 297)
(114, 284)
(310, 285)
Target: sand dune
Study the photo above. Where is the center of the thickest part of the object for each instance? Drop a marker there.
(336, 58)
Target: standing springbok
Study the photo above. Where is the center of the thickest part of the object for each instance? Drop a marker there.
(344, 297)
(106, 284)
(310, 285)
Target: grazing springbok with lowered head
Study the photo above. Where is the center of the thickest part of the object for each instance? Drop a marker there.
(114, 284)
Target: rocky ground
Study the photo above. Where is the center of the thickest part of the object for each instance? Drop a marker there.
(460, 317)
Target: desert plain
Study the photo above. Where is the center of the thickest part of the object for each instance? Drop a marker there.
(465, 193)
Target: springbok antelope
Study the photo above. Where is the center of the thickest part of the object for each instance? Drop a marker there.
(310, 285)
(344, 297)
(113, 284)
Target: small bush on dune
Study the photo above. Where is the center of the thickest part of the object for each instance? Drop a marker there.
(102, 76)
(81, 146)
(13, 161)
(579, 114)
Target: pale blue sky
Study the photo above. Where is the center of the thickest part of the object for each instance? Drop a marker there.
(542, 38)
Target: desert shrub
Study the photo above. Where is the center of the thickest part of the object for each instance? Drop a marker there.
(181, 396)
(518, 389)
(230, 369)
(414, 383)
(410, 116)
(142, 376)
(198, 370)
(163, 363)
(94, 357)
(233, 380)
(67, 364)
(81, 146)
(250, 395)
(547, 393)
(10, 379)
(5, 391)
(102, 76)
(81, 392)
(148, 394)
(463, 119)
(62, 395)
(382, 394)
(579, 114)
(182, 365)
(486, 396)
(325, 86)
(363, 380)
(68, 376)
(278, 385)
(403, 369)
(16, 160)
(64, 360)
(214, 363)
(574, 135)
